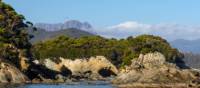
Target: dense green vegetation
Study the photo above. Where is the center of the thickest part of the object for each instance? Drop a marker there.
(120, 52)
(14, 39)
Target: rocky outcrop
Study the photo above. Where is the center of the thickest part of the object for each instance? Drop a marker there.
(10, 74)
(92, 68)
(153, 69)
(149, 60)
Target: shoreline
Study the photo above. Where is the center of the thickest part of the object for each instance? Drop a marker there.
(154, 85)
(85, 82)
(129, 85)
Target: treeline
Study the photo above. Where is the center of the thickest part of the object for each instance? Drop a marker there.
(120, 52)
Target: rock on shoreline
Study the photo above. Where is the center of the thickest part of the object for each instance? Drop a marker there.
(153, 85)
(10, 74)
(59, 70)
(93, 68)
(153, 68)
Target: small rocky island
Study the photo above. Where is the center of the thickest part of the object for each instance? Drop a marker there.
(142, 61)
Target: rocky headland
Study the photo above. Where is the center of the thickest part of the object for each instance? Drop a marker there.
(59, 71)
(93, 68)
(148, 70)
(152, 70)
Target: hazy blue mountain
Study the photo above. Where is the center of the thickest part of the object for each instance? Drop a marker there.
(85, 26)
(192, 60)
(187, 45)
(191, 50)
(42, 34)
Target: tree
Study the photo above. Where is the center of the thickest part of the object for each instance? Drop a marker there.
(14, 38)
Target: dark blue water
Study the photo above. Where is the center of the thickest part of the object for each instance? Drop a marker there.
(72, 85)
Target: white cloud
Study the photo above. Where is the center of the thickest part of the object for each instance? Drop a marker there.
(129, 25)
(168, 31)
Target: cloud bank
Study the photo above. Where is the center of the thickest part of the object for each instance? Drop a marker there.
(167, 31)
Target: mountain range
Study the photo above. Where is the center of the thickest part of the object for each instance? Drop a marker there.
(187, 45)
(41, 34)
(71, 28)
(74, 24)
(191, 51)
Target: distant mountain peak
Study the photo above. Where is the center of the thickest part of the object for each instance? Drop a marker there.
(69, 24)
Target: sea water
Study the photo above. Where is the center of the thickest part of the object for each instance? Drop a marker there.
(93, 84)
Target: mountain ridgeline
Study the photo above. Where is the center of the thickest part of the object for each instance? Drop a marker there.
(71, 28)
(42, 34)
(75, 24)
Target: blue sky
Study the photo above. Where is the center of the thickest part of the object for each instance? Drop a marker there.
(110, 12)
(171, 19)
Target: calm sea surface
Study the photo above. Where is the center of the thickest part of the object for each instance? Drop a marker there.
(98, 84)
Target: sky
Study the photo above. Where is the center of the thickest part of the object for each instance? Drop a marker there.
(119, 18)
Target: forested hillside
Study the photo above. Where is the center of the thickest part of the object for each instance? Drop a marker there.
(120, 52)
